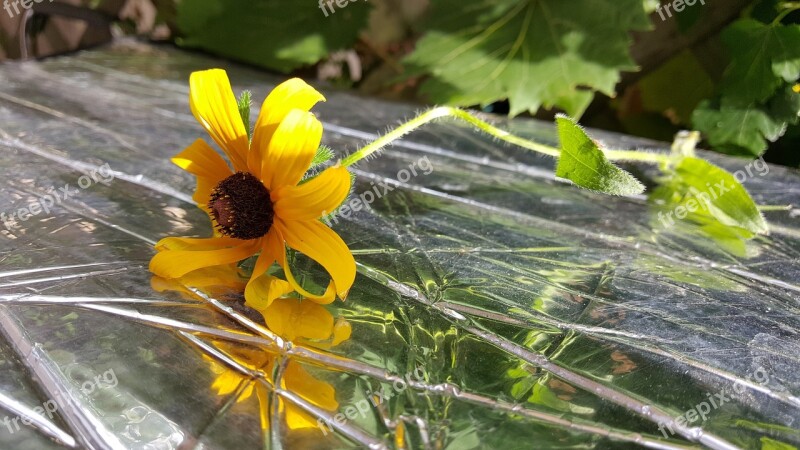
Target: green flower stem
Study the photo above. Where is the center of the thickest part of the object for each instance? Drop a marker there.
(636, 156)
(447, 111)
(787, 8)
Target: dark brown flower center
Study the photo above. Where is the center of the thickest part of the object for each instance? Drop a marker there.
(242, 207)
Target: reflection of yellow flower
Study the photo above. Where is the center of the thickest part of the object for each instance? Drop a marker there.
(258, 203)
(294, 379)
(301, 321)
(215, 281)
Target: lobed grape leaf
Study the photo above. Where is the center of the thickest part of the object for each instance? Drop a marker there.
(763, 58)
(534, 53)
(745, 130)
(756, 101)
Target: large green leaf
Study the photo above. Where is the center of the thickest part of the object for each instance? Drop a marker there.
(746, 129)
(737, 130)
(534, 53)
(763, 57)
(756, 101)
(583, 163)
(276, 34)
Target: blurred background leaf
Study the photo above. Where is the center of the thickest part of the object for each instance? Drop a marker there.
(631, 66)
(278, 34)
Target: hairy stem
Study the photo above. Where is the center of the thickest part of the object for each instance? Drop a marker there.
(447, 111)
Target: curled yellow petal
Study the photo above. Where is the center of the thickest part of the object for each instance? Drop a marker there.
(261, 291)
(207, 165)
(314, 198)
(289, 153)
(317, 241)
(177, 263)
(291, 94)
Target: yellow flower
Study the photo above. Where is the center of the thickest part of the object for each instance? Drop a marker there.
(256, 200)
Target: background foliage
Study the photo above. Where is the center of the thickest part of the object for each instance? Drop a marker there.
(729, 71)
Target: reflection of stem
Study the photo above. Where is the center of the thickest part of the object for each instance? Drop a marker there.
(447, 111)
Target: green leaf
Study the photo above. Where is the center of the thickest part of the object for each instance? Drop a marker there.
(244, 103)
(323, 155)
(277, 34)
(583, 163)
(772, 444)
(535, 53)
(676, 87)
(756, 102)
(714, 192)
(786, 106)
(763, 57)
(736, 130)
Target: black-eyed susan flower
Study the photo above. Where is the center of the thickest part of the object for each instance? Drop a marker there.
(256, 199)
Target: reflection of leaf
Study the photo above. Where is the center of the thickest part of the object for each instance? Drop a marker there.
(532, 52)
(543, 395)
(697, 185)
(277, 34)
(772, 444)
(583, 163)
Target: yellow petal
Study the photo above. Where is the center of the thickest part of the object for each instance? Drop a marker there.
(315, 240)
(314, 198)
(264, 403)
(288, 155)
(226, 276)
(279, 248)
(214, 106)
(179, 243)
(201, 160)
(263, 290)
(291, 318)
(177, 263)
(296, 379)
(207, 165)
(267, 256)
(289, 95)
